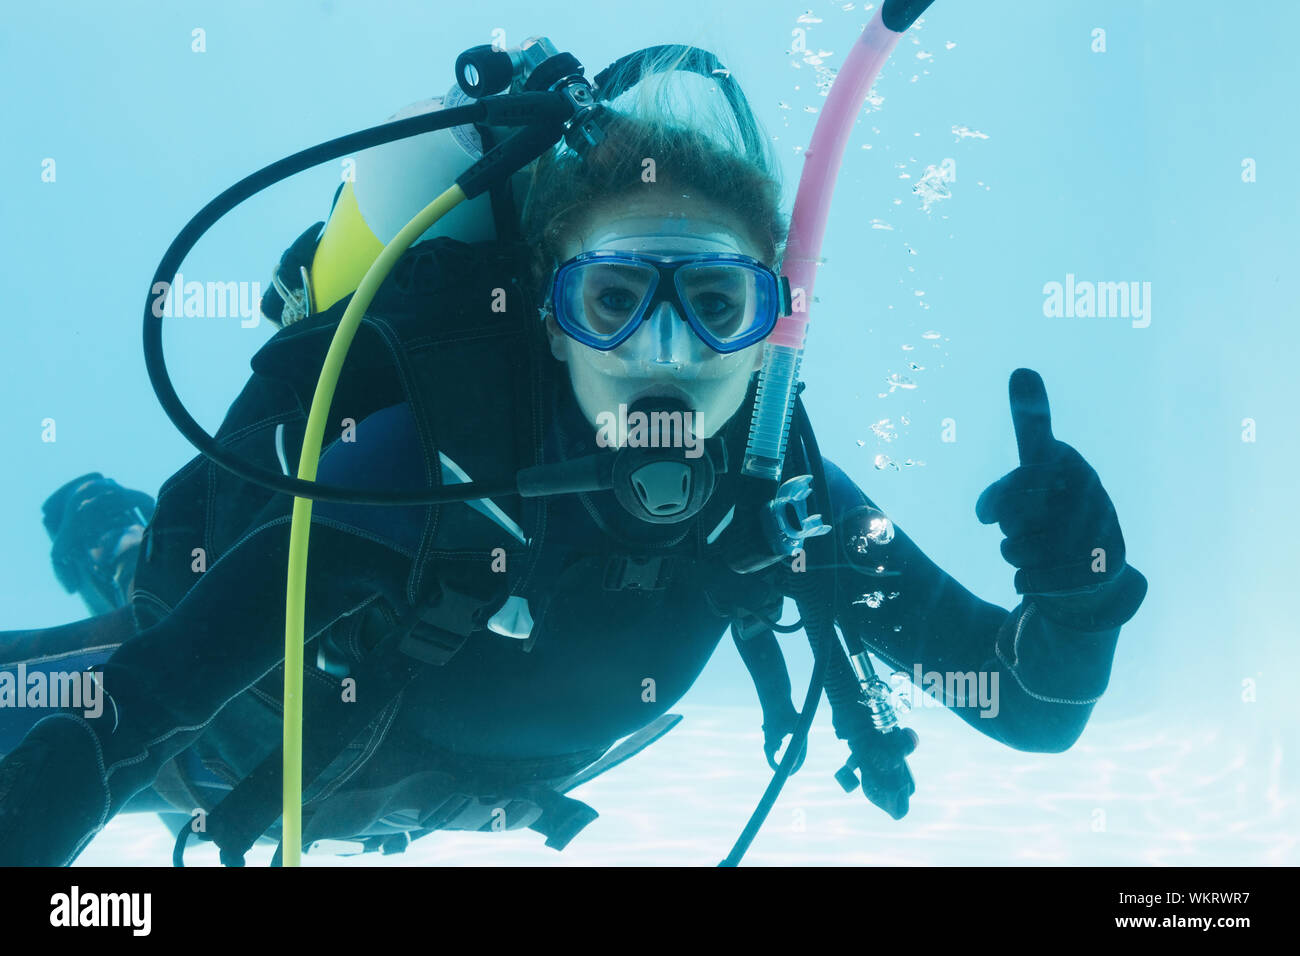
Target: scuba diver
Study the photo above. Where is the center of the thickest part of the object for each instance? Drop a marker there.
(471, 660)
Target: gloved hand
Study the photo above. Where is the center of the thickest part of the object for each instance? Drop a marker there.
(1061, 530)
(96, 527)
(775, 732)
(52, 794)
(881, 760)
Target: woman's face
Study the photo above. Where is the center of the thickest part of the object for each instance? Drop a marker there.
(664, 358)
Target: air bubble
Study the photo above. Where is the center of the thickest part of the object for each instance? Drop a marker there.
(880, 530)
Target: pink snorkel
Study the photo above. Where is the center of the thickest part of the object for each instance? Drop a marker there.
(769, 429)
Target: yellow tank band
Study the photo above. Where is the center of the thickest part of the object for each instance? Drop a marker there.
(345, 252)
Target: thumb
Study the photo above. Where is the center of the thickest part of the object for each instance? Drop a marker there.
(1031, 416)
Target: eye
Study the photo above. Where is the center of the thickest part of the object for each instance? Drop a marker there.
(713, 305)
(720, 296)
(617, 300)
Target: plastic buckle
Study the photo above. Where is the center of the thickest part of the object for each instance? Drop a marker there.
(297, 302)
(788, 520)
(430, 647)
(636, 573)
(451, 616)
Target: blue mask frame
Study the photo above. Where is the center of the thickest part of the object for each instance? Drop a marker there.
(773, 297)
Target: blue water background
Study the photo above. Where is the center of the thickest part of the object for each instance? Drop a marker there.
(1117, 166)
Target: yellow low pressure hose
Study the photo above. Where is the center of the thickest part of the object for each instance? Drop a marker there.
(295, 611)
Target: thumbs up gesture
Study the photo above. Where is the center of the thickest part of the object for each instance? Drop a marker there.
(1061, 530)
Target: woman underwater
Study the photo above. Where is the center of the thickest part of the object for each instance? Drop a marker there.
(468, 664)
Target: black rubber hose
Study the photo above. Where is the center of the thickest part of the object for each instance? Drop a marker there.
(194, 230)
(818, 634)
(816, 595)
(178, 848)
(838, 680)
(843, 690)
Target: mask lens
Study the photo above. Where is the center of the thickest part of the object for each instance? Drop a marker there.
(729, 301)
(600, 300)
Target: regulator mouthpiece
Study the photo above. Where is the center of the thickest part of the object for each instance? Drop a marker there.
(662, 484)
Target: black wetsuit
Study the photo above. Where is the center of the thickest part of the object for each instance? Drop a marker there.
(195, 693)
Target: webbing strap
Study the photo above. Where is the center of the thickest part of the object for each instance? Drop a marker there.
(254, 805)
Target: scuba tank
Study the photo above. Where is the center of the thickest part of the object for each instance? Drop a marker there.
(385, 186)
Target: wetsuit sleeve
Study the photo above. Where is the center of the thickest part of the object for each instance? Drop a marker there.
(1024, 677)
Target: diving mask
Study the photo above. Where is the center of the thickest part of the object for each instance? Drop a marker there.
(729, 300)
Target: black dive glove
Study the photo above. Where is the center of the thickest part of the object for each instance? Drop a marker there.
(1061, 530)
(95, 525)
(53, 795)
